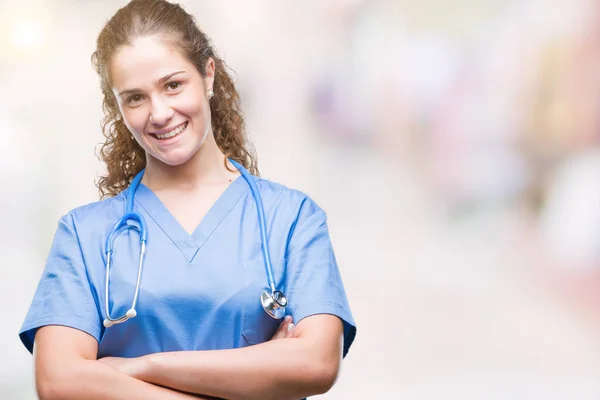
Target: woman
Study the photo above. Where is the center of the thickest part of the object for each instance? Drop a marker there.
(197, 328)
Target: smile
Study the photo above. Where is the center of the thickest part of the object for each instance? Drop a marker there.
(171, 133)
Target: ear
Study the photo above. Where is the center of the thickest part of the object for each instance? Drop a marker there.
(209, 77)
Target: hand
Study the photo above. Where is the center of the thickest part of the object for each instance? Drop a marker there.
(130, 366)
(285, 330)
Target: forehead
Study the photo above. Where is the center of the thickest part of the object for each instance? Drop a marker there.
(145, 61)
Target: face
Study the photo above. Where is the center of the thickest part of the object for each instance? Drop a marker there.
(163, 99)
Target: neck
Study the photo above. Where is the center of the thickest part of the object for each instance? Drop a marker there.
(205, 167)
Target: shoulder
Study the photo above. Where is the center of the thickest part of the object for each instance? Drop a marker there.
(93, 213)
(280, 196)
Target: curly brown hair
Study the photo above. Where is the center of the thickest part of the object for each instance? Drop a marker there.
(121, 153)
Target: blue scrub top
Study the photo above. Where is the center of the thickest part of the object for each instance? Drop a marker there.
(198, 292)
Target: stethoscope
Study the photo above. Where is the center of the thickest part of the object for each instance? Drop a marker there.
(273, 301)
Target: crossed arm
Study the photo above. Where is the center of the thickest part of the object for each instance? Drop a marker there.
(305, 362)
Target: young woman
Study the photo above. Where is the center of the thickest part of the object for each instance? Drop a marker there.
(184, 296)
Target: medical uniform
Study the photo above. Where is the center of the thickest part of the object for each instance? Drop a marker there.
(198, 292)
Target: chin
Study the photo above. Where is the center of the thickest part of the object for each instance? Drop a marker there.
(174, 159)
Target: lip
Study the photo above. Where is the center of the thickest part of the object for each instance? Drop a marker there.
(163, 131)
(169, 141)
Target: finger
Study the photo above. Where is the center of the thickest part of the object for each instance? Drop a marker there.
(282, 330)
(289, 332)
(279, 334)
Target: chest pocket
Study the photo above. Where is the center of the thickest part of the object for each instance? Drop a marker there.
(257, 325)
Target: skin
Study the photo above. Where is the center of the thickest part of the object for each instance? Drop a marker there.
(157, 89)
(66, 368)
(135, 368)
(188, 175)
(149, 105)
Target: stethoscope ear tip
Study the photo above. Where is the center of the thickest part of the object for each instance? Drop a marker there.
(128, 315)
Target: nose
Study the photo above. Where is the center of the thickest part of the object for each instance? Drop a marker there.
(161, 112)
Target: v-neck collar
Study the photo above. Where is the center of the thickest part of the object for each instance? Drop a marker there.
(189, 245)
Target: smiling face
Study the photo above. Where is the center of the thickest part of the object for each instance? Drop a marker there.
(163, 99)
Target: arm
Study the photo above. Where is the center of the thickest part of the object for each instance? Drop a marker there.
(66, 368)
(303, 365)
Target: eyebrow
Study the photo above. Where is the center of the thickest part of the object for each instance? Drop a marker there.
(161, 80)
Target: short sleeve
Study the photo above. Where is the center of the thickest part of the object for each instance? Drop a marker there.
(63, 296)
(313, 281)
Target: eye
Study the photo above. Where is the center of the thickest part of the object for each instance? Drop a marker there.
(173, 86)
(134, 98)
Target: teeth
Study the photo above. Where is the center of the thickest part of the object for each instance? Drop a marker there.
(174, 132)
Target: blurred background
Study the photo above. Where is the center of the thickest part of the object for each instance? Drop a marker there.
(454, 144)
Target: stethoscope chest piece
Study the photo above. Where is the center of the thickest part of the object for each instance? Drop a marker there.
(273, 303)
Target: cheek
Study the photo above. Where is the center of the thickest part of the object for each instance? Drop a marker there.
(135, 120)
(193, 105)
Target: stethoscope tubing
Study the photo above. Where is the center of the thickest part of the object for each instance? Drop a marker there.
(262, 223)
(273, 303)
